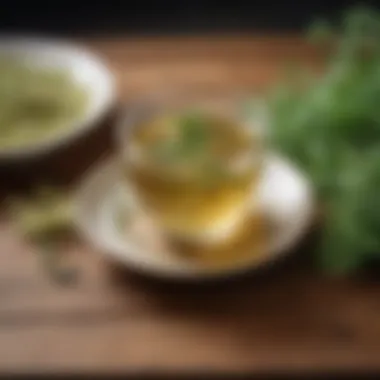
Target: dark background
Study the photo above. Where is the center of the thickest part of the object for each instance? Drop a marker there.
(164, 17)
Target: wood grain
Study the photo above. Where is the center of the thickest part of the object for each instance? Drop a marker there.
(287, 319)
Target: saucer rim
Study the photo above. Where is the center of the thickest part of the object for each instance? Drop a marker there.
(188, 272)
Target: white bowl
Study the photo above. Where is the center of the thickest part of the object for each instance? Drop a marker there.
(285, 197)
(86, 68)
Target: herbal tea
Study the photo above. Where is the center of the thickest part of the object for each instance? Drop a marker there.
(194, 173)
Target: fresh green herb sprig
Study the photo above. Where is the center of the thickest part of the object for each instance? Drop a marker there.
(332, 130)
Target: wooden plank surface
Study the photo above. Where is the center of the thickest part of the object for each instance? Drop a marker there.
(287, 319)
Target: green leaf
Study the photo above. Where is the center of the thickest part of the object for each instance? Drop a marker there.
(332, 130)
(190, 141)
(193, 133)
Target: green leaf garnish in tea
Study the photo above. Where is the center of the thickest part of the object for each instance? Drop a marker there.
(193, 133)
(190, 141)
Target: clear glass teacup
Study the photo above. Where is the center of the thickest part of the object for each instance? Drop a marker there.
(193, 162)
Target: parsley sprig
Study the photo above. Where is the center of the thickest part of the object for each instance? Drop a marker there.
(332, 130)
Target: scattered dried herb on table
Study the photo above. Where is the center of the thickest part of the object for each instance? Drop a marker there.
(45, 220)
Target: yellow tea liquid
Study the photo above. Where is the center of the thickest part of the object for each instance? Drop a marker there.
(194, 176)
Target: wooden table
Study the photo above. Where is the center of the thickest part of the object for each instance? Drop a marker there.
(287, 320)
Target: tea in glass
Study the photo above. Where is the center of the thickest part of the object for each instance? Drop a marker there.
(193, 170)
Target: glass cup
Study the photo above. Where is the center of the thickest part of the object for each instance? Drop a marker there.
(193, 162)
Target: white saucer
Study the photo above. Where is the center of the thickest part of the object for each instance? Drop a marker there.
(102, 206)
